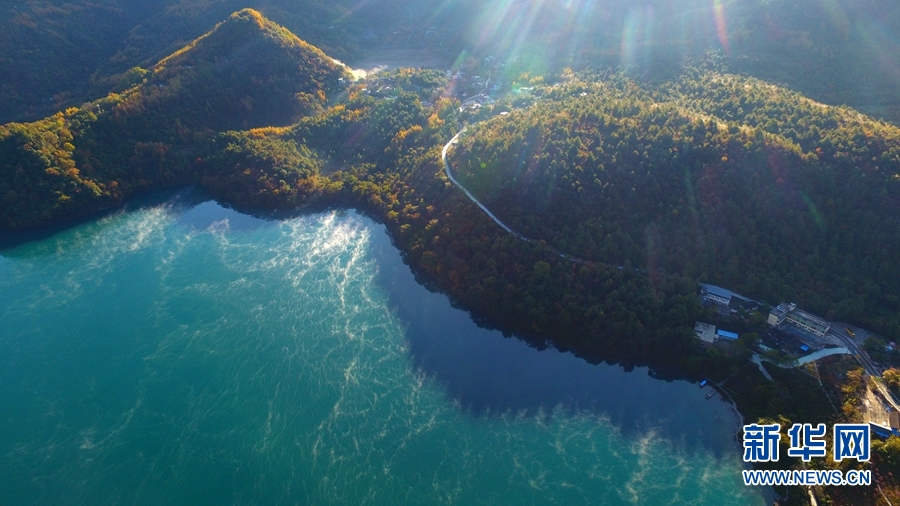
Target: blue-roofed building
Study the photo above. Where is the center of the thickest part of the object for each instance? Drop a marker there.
(882, 431)
(724, 334)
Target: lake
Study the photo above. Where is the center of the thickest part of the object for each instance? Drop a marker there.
(178, 352)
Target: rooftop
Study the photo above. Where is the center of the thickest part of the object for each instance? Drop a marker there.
(783, 309)
(718, 290)
(726, 334)
(705, 332)
(704, 327)
(809, 318)
(724, 293)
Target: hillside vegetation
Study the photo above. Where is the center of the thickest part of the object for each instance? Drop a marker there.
(247, 72)
(835, 51)
(706, 177)
(652, 185)
(720, 178)
(55, 55)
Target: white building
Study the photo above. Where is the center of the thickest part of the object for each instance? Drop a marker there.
(778, 314)
(788, 312)
(706, 333)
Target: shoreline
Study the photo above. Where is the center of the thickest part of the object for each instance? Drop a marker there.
(480, 316)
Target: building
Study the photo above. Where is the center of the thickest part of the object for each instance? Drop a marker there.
(706, 333)
(809, 322)
(777, 315)
(715, 294)
(881, 431)
(788, 312)
(726, 298)
(724, 334)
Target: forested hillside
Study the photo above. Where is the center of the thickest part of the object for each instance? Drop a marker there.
(382, 155)
(673, 170)
(705, 177)
(54, 55)
(247, 72)
(835, 51)
(720, 178)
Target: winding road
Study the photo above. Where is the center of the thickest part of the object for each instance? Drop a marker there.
(864, 360)
(506, 227)
(851, 347)
(487, 211)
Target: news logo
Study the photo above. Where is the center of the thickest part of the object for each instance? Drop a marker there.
(850, 441)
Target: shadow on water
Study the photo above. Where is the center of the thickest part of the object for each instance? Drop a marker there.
(180, 199)
(489, 374)
(193, 207)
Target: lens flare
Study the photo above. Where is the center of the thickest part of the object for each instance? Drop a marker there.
(627, 49)
(721, 25)
(814, 212)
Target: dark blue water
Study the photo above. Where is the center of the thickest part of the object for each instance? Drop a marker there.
(182, 353)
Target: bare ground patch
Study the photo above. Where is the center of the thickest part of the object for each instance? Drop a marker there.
(872, 407)
(382, 59)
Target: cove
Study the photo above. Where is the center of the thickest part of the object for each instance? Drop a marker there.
(179, 352)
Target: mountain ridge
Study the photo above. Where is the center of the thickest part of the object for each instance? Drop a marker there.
(246, 72)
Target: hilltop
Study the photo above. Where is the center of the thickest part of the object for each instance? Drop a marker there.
(58, 55)
(713, 176)
(246, 72)
(836, 52)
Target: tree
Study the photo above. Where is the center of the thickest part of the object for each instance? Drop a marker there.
(751, 339)
(892, 379)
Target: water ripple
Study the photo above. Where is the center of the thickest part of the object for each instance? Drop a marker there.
(147, 359)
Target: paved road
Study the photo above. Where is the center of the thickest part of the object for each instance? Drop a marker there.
(487, 211)
(506, 227)
(861, 356)
(812, 357)
(756, 360)
(825, 352)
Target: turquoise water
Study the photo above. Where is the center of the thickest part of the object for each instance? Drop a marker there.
(182, 353)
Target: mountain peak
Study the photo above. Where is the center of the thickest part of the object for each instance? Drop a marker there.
(240, 28)
(246, 72)
(249, 14)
